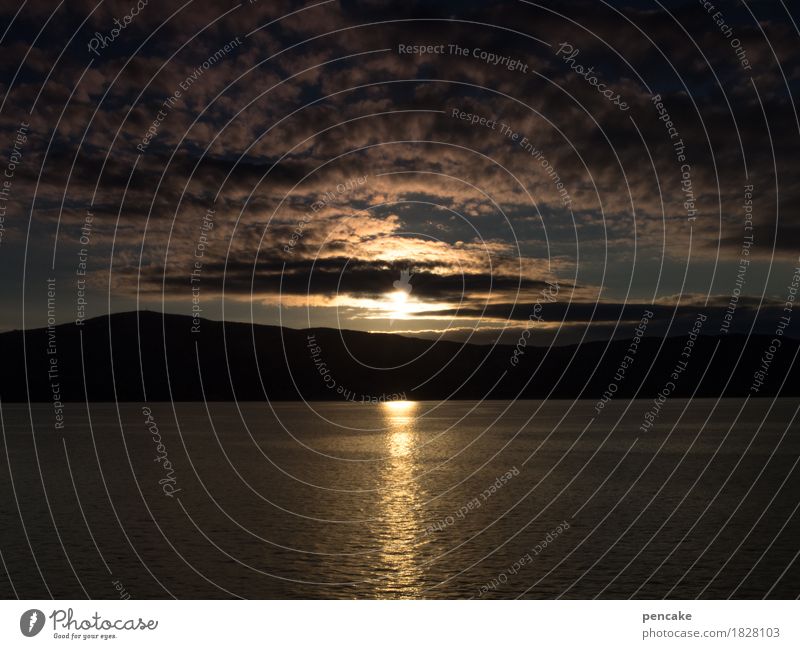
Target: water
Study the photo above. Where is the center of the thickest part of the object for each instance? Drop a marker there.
(454, 500)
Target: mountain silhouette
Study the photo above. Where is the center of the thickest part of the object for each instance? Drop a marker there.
(145, 355)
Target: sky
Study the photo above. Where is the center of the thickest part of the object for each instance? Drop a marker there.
(438, 169)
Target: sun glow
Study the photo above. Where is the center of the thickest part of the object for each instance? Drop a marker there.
(399, 297)
(399, 306)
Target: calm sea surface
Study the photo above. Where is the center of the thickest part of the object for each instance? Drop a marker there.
(453, 500)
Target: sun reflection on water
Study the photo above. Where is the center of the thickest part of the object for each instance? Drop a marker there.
(400, 501)
(400, 444)
(400, 407)
(399, 420)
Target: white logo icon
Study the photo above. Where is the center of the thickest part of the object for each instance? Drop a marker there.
(400, 305)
